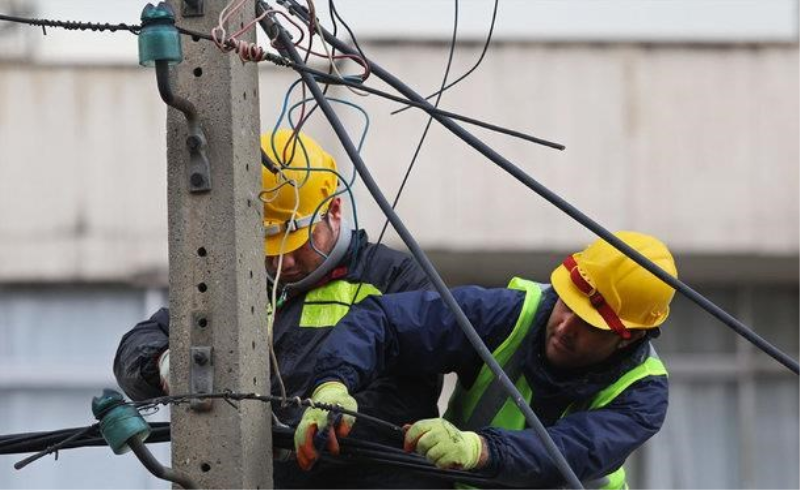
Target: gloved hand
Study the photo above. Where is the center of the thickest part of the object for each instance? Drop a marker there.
(163, 370)
(444, 445)
(307, 443)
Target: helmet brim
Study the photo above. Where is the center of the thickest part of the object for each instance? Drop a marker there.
(275, 245)
(579, 303)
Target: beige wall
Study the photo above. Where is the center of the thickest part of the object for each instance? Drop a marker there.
(698, 145)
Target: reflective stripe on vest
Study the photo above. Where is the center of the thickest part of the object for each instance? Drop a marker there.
(464, 404)
(326, 305)
(495, 408)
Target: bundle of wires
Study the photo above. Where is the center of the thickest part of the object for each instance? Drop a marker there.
(354, 452)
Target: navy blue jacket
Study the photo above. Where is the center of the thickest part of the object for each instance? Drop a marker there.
(396, 398)
(415, 334)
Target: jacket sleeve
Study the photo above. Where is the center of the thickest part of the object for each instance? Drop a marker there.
(136, 361)
(414, 333)
(594, 443)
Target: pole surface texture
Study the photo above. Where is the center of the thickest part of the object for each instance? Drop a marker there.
(218, 338)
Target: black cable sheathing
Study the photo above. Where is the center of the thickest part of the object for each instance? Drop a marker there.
(72, 25)
(276, 32)
(353, 451)
(569, 209)
(39, 441)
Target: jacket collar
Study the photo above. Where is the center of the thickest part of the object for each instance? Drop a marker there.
(583, 382)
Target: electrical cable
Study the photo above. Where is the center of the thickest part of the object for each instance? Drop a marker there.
(418, 148)
(315, 24)
(323, 77)
(347, 185)
(468, 72)
(72, 25)
(273, 28)
(334, 17)
(282, 161)
(354, 452)
(737, 326)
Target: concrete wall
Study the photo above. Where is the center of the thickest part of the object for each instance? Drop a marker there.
(698, 145)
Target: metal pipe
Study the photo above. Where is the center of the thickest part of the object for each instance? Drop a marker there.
(275, 31)
(199, 166)
(566, 207)
(172, 100)
(155, 467)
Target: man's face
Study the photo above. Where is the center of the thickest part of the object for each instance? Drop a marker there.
(572, 343)
(305, 260)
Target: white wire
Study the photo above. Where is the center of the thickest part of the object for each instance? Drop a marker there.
(273, 300)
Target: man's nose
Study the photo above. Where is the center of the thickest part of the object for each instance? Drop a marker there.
(569, 324)
(288, 261)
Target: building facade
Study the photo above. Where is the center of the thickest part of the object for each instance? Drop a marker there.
(692, 140)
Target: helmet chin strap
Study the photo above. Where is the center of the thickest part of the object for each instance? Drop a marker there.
(331, 261)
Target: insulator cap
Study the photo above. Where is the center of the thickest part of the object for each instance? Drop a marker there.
(118, 422)
(159, 39)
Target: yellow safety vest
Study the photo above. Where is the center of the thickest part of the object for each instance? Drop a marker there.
(485, 403)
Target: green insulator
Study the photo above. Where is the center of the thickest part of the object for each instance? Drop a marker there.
(159, 39)
(118, 421)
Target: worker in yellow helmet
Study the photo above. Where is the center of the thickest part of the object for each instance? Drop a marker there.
(317, 268)
(577, 349)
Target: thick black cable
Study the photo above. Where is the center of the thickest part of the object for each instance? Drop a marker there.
(275, 30)
(353, 451)
(573, 212)
(421, 141)
(468, 72)
(38, 441)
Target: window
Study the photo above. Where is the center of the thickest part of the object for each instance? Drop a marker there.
(733, 416)
(57, 345)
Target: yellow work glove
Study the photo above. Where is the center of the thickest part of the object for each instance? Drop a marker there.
(443, 444)
(307, 442)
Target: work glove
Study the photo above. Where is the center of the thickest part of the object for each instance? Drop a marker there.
(319, 428)
(163, 370)
(443, 444)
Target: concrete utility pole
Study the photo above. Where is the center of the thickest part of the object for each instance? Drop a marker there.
(218, 338)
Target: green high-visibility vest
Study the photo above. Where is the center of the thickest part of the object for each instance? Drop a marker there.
(485, 403)
(325, 306)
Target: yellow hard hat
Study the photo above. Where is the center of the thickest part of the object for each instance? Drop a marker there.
(612, 292)
(302, 177)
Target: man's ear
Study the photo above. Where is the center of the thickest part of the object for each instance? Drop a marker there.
(335, 208)
(635, 335)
